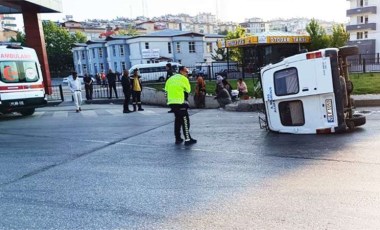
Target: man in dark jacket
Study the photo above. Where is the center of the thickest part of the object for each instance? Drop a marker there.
(126, 83)
(111, 77)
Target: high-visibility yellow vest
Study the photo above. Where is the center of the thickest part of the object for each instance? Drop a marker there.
(176, 86)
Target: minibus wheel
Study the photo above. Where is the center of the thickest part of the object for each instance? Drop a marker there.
(27, 112)
(358, 119)
(161, 79)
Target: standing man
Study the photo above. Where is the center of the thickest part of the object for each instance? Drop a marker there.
(126, 83)
(136, 90)
(111, 77)
(169, 71)
(88, 86)
(75, 87)
(178, 88)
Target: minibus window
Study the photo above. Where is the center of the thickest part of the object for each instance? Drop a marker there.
(286, 82)
(291, 113)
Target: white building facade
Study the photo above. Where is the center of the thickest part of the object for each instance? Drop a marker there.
(121, 52)
(363, 29)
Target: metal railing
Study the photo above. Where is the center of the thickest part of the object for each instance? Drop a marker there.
(56, 93)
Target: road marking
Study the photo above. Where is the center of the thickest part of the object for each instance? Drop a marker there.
(116, 112)
(89, 113)
(38, 114)
(60, 114)
(148, 113)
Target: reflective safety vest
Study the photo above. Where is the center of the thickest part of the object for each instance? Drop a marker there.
(175, 87)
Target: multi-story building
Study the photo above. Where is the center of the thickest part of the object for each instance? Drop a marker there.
(122, 52)
(363, 29)
(255, 25)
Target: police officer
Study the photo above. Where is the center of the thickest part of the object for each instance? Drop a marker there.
(178, 88)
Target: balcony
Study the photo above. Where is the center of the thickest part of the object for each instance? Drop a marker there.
(362, 10)
(368, 26)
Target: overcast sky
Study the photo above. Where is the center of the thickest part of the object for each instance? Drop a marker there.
(226, 10)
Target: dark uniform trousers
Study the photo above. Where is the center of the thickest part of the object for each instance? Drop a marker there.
(181, 120)
(127, 97)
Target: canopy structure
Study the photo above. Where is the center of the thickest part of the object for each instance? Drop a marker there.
(267, 47)
(30, 9)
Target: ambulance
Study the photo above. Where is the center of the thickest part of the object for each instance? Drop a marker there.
(309, 93)
(21, 83)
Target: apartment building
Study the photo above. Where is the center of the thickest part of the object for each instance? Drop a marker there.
(363, 29)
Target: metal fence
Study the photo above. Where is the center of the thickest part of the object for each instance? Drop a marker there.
(364, 65)
(55, 93)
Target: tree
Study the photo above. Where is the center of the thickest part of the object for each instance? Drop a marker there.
(319, 39)
(130, 31)
(221, 55)
(340, 36)
(59, 43)
(20, 37)
(236, 54)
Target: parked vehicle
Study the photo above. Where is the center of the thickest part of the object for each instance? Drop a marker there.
(21, 83)
(154, 71)
(309, 93)
(229, 73)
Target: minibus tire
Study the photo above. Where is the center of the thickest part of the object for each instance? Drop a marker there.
(358, 119)
(161, 79)
(348, 51)
(27, 112)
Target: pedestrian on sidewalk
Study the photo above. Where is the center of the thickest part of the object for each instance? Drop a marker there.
(177, 88)
(88, 86)
(111, 78)
(75, 86)
(242, 88)
(136, 90)
(126, 83)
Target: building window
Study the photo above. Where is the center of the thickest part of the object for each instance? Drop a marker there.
(365, 34)
(286, 82)
(100, 52)
(115, 66)
(77, 54)
(169, 47)
(209, 47)
(191, 47)
(123, 67)
(93, 53)
(79, 70)
(84, 66)
(179, 61)
(83, 55)
(359, 35)
(178, 47)
(147, 45)
(366, 19)
(96, 68)
(121, 48)
(101, 67)
(114, 50)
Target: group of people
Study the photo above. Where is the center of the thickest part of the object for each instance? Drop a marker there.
(131, 87)
(224, 92)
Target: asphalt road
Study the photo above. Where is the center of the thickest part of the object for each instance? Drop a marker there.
(101, 169)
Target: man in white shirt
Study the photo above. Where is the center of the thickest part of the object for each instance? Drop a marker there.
(76, 87)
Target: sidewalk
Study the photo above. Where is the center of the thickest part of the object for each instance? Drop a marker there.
(153, 97)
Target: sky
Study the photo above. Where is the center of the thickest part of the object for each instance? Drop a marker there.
(226, 10)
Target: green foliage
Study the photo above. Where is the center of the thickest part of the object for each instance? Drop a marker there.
(59, 43)
(236, 54)
(366, 83)
(221, 55)
(318, 36)
(129, 32)
(340, 36)
(20, 37)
